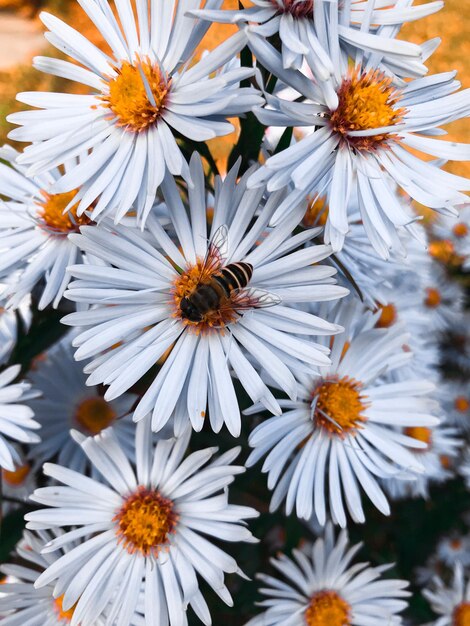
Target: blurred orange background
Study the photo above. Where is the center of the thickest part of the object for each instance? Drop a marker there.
(21, 38)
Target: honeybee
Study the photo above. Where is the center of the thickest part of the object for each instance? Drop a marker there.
(220, 294)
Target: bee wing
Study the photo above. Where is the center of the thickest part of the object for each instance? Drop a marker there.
(244, 299)
(217, 250)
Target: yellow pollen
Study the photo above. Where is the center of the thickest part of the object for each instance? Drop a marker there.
(366, 101)
(338, 405)
(327, 608)
(462, 404)
(63, 616)
(316, 213)
(52, 216)
(128, 98)
(94, 415)
(422, 434)
(444, 252)
(18, 476)
(433, 298)
(460, 230)
(461, 616)
(388, 315)
(145, 521)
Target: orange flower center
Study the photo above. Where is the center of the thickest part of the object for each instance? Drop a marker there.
(460, 230)
(461, 616)
(327, 608)
(137, 95)
(18, 476)
(337, 405)
(455, 544)
(462, 404)
(366, 101)
(145, 521)
(63, 616)
(52, 216)
(445, 461)
(297, 8)
(422, 434)
(316, 213)
(94, 415)
(433, 298)
(388, 315)
(444, 252)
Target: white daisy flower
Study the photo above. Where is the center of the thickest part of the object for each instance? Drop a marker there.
(68, 403)
(142, 526)
(442, 444)
(454, 397)
(21, 603)
(322, 588)
(365, 128)
(453, 549)
(464, 469)
(34, 233)
(147, 94)
(304, 27)
(16, 421)
(443, 298)
(452, 604)
(212, 301)
(341, 433)
(451, 239)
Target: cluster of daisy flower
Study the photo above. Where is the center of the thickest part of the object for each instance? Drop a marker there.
(293, 311)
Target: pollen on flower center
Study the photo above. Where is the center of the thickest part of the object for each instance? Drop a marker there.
(421, 433)
(444, 251)
(18, 476)
(337, 405)
(52, 217)
(433, 298)
(297, 8)
(366, 101)
(62, 615)
(388, 315)
(461, 616)
(145, 522)
(94, 415)
(327, 608)
(137, 95)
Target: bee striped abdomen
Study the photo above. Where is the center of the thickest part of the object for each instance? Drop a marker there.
(234, 276)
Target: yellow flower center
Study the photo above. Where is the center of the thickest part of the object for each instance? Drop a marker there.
(462, 404)
(137, 95)
(52, 216)
(433, 298)
(316, 213)
(460, 230)
(422, 434)
(145, 521)
(461, 616)
(337, 405)
(388, 315)
(444, 252)
(63, 616)
(327, 608)
(366, 101)
(18, 476)
(94, 415)
(297, 8)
